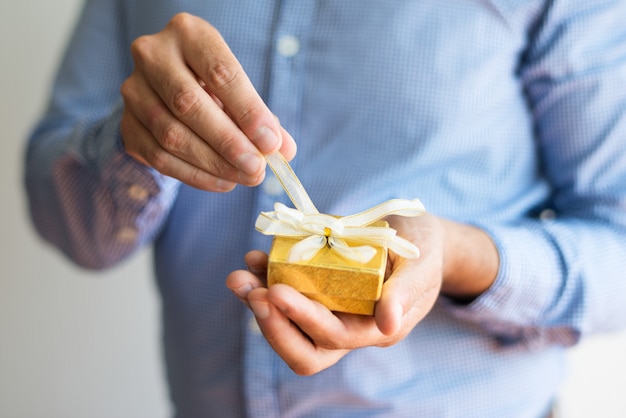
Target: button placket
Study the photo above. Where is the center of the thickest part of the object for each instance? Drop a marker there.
(284, 97)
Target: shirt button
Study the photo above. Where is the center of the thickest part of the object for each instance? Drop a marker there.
(288, 45)
(126, 235)
(137, 193)
(547, 214)
(272, 186)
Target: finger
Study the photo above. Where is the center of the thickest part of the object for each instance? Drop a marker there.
(256, 261)
(413, 286)
(407, 297)
(171, 134)
(326, 329)
(134, 137)
(218, 68)
(288, 148)
(169, 75)
(289, 342)
(139, 144)
(241, 282)
(391, 307)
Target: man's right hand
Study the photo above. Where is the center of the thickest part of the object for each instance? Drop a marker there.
(191, 112)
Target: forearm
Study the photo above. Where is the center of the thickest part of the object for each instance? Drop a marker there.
(559, 279)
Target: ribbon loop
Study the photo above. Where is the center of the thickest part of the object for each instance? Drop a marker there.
(319, 230)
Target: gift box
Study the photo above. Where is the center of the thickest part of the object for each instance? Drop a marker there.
(340, 284)
(337, 261)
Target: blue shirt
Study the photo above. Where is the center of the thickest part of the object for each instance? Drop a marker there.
(509, 115)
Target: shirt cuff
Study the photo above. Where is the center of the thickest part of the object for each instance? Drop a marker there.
(141, 196)
(529, 281)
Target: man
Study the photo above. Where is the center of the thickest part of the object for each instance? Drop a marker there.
(505, 118)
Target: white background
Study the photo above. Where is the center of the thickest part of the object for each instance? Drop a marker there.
(81, 344)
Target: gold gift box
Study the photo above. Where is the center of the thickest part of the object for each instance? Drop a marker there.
(340, 284)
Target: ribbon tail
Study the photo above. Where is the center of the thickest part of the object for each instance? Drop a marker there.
(403, 248)
(290, 182)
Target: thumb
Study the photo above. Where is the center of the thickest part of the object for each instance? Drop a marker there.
(392, 305)
(407, 297)
(388, 316)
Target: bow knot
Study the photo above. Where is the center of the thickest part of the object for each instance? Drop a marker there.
(317, 230)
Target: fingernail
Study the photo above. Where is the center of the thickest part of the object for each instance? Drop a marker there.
(265, 139)
(261, 309)
(249, 164)
(243, 291)
(224, 185)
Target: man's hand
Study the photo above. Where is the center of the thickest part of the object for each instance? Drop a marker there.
(310, 338)
(192, 113)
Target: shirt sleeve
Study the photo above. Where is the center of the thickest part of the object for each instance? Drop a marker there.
(86, 195)
(562, 277)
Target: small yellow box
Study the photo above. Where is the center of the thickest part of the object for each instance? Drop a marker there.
(338, 283)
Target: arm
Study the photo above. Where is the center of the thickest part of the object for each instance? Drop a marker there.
(562, 278)
(86, 195)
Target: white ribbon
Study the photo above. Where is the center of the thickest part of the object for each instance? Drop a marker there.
(317, 230)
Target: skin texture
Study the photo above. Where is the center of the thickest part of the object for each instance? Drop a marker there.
(191, 113)
(310, 338)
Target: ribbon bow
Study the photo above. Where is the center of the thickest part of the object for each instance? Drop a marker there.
(318, 230)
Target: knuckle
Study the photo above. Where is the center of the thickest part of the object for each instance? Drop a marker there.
(221, 76)
(192, 177)
(182, 21)
(224, 143)
(140, 48)
(185, 103)
(248, 114)
(172, 138)
(187, 26)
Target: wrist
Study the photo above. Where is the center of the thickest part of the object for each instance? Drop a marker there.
(470, 261)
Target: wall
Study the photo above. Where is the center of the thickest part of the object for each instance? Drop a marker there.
(81, 344)
(72, 343)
